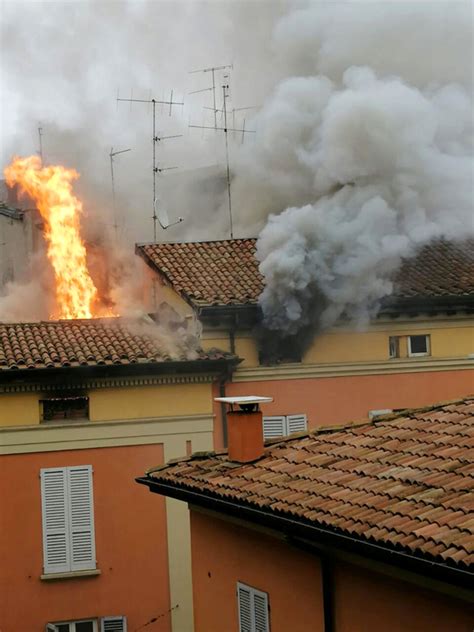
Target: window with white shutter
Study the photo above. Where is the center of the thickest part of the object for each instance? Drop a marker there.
(282, 426)
(113, 624)
(68, 519)
(253, 609)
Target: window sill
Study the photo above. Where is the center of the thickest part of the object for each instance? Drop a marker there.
(70, 575)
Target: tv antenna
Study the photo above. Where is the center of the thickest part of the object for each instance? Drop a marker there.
(40, 136)
(233, 111)
(212, 88)
(112, 155)
(226, 130)
(155, 140)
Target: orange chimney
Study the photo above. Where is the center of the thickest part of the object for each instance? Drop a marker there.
(244, 427)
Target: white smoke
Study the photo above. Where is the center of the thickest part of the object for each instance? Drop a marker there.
(365, 151)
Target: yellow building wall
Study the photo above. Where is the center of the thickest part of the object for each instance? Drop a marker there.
(448, 339)
(19, 409)
(115, 403)
(140, 402)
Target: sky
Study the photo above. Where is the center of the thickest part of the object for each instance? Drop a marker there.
(63, 64)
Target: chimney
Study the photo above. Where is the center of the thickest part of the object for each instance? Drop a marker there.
(244, 427)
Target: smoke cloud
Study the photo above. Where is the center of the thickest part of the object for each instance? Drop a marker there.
(363, 154)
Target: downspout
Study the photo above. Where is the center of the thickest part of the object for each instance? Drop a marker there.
(223, 410)
(328, 601)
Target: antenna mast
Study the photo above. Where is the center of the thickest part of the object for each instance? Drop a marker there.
(212, 70)
(112, 155)
(226, 129)
(155, 140)
(40, 136)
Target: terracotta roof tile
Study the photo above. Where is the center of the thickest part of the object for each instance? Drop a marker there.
(226, 272)
(95, 342)
(347, 481)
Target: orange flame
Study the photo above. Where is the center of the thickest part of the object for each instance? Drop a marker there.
(51, 188)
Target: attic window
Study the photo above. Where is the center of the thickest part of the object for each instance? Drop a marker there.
(64, 408)
(418, 345)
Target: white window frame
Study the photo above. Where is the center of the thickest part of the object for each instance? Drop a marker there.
(424, 353)
(253, 592)
(396, 345)
(285, 422)
(53, 627)
(68, 528)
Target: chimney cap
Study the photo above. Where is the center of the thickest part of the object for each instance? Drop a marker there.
(247, 403)
(246, 399)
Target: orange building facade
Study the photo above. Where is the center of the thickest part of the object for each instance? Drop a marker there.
(84, 406)
(359, 528)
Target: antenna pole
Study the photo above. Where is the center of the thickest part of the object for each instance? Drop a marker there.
(156, 139)
(214, 96)
(154, 169)
(40, 136)
(224, 94)
(114, 207)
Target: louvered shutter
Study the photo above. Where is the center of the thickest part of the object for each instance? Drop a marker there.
(56, 553)
(113, 624)
(296, 423)
(274, 427)
(81, 518)
(244, 595)
(260, 611)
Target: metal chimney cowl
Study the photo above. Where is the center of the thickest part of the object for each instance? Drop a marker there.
(244, 427)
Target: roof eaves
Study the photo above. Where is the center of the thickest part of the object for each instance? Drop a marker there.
(390, 553)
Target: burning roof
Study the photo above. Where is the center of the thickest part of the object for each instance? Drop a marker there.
(227, 272)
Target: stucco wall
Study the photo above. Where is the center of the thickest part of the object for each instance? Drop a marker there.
(223, 554)
(131, 543)
(370, 602)
(334, 400)
(363, 600)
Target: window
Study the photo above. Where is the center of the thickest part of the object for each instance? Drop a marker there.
(87, 625)
(64, 408)
(394, 346)
(418, 345)
(253, 609)
(68, 520)
(107, 624)
(282, 426)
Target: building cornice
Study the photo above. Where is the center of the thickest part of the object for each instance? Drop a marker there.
(109, 382)
(52, 436)
(307, 371)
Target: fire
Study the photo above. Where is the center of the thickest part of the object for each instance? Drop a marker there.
(51, 188)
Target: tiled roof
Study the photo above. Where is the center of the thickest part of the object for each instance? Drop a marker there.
(403, 481)
(440, 269)
(209, 272)
(226, 272)
(95, 342)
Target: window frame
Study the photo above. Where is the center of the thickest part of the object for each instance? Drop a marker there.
(65, 419)
(412, 354)
(253, 593)
(72, 625)
(396, 342)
